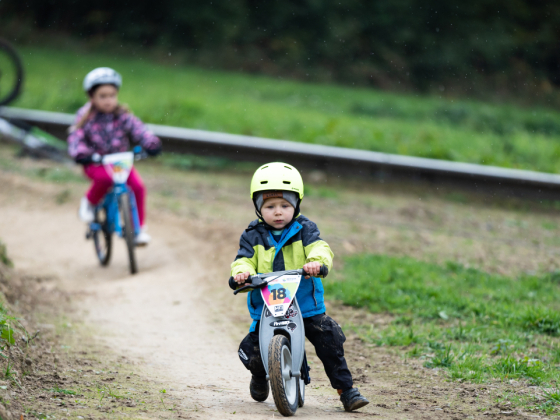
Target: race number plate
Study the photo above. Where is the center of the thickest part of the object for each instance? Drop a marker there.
(279, 293)
(119, 165)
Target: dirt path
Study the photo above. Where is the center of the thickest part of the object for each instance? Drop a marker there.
(164, 316)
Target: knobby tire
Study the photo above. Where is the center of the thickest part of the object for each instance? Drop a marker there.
(128, 231)
(102, 239)
(301, 392)
(276, 347)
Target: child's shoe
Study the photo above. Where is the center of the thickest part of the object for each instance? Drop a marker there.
(142, 239)
(352, 399)
(259, 388)
(86, 211)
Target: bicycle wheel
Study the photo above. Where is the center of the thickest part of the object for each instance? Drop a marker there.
(11, 73)
(102, 239)
(128, 230)
(284, 385)
(301, 392)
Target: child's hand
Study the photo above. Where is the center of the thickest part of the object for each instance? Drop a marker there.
(241, 278)
(313, 268)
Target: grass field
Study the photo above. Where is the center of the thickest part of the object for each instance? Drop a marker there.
(162, 90)
(479, 327)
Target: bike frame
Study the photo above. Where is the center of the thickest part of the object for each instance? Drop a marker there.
(111, 205)
(271, 325)
(282, 335)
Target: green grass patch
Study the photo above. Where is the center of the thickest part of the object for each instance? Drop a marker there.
(59, 174)
(321, 191)
(10, 328)
(11, 161)
(201, 163)
(549, 225)
(477, 326)
(168, 92)
(4, 259)
(62, 391)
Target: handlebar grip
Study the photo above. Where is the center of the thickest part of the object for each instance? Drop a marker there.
(233, 284)
(240, 289)
(323, 271)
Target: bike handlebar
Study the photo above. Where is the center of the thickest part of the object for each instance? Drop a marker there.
(139, 154)
(258, 281)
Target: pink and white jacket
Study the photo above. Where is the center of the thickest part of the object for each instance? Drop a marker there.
(109, 133)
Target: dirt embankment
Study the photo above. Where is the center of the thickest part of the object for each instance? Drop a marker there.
(53, 367)
(25, 349)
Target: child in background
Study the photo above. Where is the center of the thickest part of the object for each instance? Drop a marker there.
(103, 126)
(282, 239)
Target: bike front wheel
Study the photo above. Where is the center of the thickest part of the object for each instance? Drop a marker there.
(280, 367)
(301, 392)
(103, 238)
(128, 231)
(11, 73)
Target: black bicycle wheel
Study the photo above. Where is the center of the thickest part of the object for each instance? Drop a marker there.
(11, 73)
(128, 230)
(102, 239)
(284, 386)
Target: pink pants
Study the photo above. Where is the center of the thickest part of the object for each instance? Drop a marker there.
(102, 182)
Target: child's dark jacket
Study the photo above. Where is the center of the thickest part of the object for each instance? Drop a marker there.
(299, 244)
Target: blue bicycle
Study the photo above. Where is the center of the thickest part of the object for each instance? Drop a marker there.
(118, 212)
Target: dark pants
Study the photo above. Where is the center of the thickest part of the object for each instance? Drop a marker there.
(327, 338)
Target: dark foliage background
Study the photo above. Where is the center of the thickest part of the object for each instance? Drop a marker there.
(500, 45)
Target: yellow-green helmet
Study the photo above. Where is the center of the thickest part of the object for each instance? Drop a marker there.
(277, 176)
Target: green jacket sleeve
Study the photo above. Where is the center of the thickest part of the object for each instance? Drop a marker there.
(315, 248)
(246, 259)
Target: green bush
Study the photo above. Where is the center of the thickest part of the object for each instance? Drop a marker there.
(425, 45)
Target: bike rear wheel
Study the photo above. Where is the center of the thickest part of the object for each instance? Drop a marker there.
(302, 381)
(102, 239)
(280, 367)
(128, 230)
(11, 73)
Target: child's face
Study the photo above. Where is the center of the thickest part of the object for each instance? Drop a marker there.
(105, 98)
(277, 212)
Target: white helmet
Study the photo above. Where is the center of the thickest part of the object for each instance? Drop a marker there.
(102, 76)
